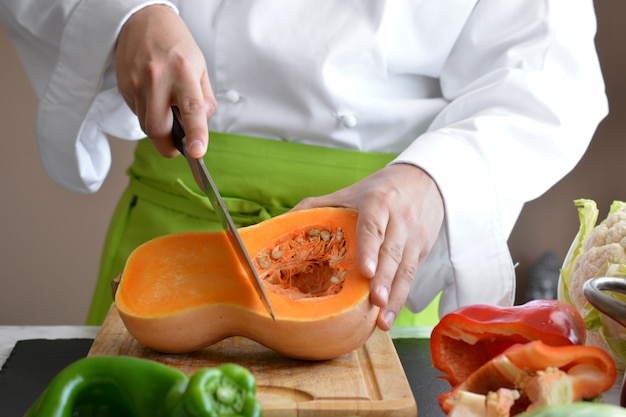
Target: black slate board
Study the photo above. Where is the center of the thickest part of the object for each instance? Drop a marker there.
(33, 363)
(30, 368)
(423, 378)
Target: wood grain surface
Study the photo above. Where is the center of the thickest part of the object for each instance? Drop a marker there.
(369, 381)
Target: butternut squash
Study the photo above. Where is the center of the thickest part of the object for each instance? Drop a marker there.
(186, 291)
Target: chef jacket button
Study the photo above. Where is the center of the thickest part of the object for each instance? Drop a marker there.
(233, 96)
(348, 120)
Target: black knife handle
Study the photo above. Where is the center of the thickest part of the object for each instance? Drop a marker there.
(178, 133)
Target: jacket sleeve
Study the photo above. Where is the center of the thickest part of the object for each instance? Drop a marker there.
(525, 96)
(66, 48)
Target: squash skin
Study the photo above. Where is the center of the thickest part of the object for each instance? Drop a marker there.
(211, 307)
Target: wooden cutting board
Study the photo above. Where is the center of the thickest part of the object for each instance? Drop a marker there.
(367, 382)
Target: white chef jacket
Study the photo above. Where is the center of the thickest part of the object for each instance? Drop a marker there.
(496, 100)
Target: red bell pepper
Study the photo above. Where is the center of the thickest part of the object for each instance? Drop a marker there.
(469, 337)
(534, 375)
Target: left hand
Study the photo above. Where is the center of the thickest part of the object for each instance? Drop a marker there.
(400, 215)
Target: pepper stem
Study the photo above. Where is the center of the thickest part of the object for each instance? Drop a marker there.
(226, 395)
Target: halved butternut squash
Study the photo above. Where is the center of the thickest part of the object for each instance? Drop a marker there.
(186, 291)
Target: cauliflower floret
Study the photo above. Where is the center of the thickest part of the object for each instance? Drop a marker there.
(596, 238)
(616, 232)
(592, 263)
(616, 217)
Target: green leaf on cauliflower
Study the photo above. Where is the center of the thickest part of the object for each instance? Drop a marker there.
(587, 215)
(592, 317)
(614, 335)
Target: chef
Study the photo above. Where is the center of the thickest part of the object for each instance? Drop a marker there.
(436, 120)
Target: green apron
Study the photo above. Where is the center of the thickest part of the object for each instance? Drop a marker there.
(258, 179)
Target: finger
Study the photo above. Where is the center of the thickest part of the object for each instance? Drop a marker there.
(330, 200)
(190, 98)
(399, 260)
(209, 97)
(165, 145)
(193, 113)
(400, 287)
(389, 260)
(158, 120)
(161, 141)
(371, 228)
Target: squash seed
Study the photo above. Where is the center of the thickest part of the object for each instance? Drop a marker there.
(305, 264)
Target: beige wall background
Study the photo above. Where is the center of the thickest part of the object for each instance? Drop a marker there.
(50, 239)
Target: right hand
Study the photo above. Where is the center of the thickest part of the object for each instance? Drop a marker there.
(159, 65)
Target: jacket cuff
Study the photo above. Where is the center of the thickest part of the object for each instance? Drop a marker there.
(468, 195)
(76, 156)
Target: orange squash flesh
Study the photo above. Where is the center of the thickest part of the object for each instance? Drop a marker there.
(186, 291)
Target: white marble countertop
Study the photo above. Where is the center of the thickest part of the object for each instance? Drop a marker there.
(9, 335)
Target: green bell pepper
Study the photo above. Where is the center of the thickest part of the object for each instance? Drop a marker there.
(123, 386)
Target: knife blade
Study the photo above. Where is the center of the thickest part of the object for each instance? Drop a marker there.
(206, 184)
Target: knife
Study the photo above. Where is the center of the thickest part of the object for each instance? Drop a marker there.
(206, 184)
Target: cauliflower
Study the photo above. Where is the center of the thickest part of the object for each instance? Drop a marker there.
(597, 250)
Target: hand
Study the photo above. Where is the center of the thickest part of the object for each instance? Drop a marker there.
(159, 65)
(400, 214)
